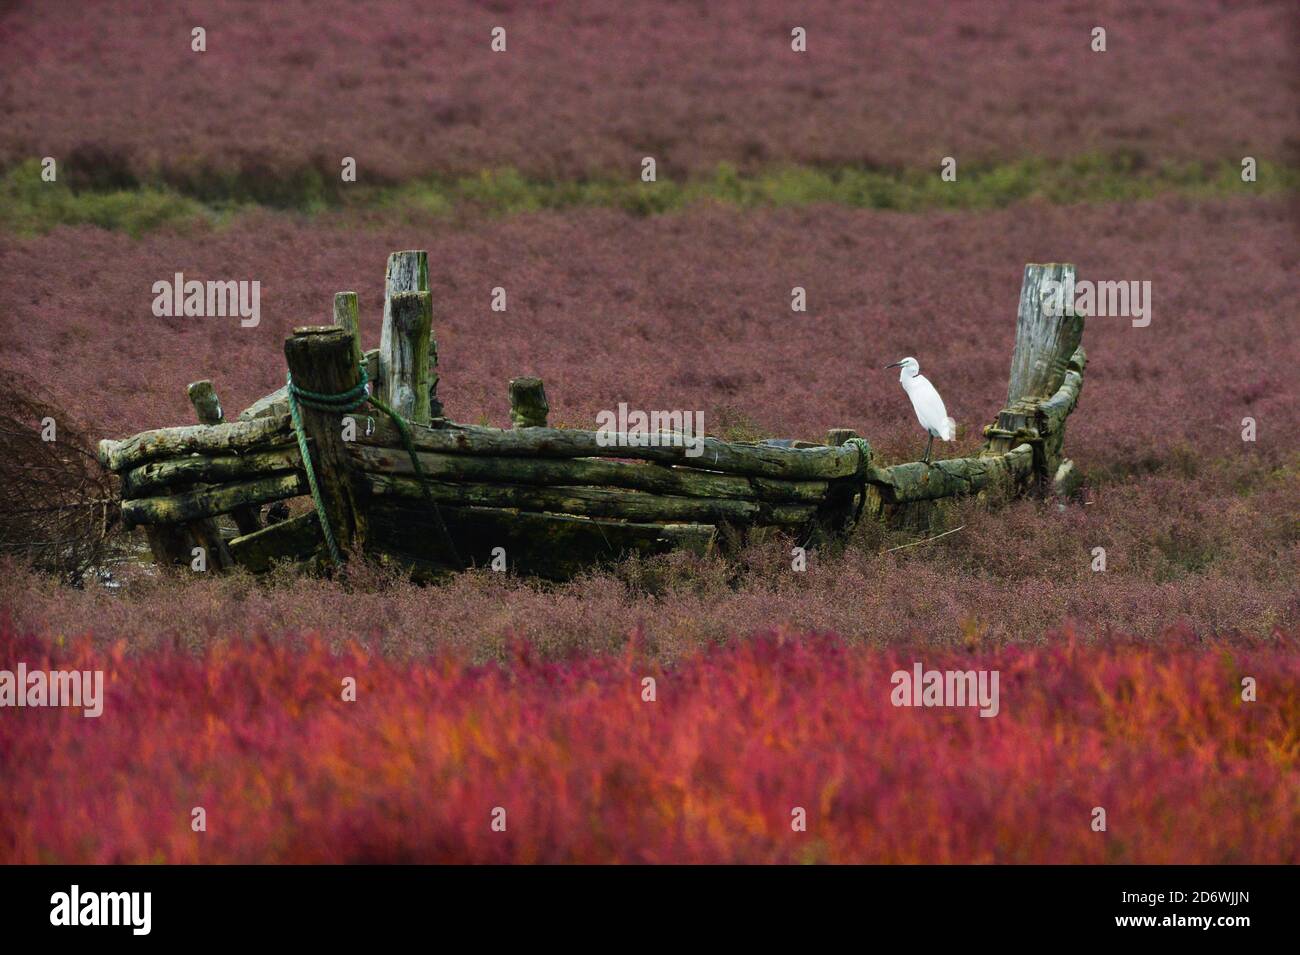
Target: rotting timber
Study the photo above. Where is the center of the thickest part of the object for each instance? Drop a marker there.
(555, 501)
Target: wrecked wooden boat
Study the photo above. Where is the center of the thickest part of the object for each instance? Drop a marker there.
(360, 437)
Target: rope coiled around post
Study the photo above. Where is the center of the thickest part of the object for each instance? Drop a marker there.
(353, 400)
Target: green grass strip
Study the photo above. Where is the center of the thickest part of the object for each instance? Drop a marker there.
(29, 205)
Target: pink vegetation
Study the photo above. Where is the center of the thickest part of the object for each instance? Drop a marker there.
(258, 735)
(410, 88)
(692, 311)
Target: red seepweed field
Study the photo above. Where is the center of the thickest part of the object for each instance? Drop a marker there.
(582, 767)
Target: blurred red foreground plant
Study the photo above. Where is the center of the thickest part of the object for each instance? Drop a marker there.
(257, 733)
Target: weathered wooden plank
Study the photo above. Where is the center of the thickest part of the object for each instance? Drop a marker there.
(917, 481)
(1040, 422)
(274, 404)
(320, 360)
(210, 501)
(734, 458)
(208, 469)
(528, 404)
(641, 476)
(294, 539)
(547, 545)
(404, 355)
(193, 439)
(596, 502)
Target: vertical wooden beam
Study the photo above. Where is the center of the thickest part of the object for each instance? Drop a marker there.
(836, 437)
(528, 404)
(321, 360)
(347, 316)
(409, 272)
(404, 356)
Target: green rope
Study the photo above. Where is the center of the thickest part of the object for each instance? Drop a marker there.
(353, 400)
(864, 450)
(296, 417)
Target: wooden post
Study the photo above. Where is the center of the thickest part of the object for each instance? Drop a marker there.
(207, 406)
(404, 355)
(321, 360)
(836, 437)
(528, 405)
(1047, 335)
(409, 272)
(347, 316)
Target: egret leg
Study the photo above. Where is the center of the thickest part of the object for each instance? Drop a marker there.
(928, 445)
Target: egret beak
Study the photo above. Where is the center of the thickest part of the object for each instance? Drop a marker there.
(897, 364)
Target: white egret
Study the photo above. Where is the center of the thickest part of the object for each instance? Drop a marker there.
(926, 403)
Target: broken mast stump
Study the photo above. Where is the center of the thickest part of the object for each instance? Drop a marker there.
(528, 404)
(1047, 338)
(409, 272)
(320, 360)
(1047, 332)
(404, 356)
